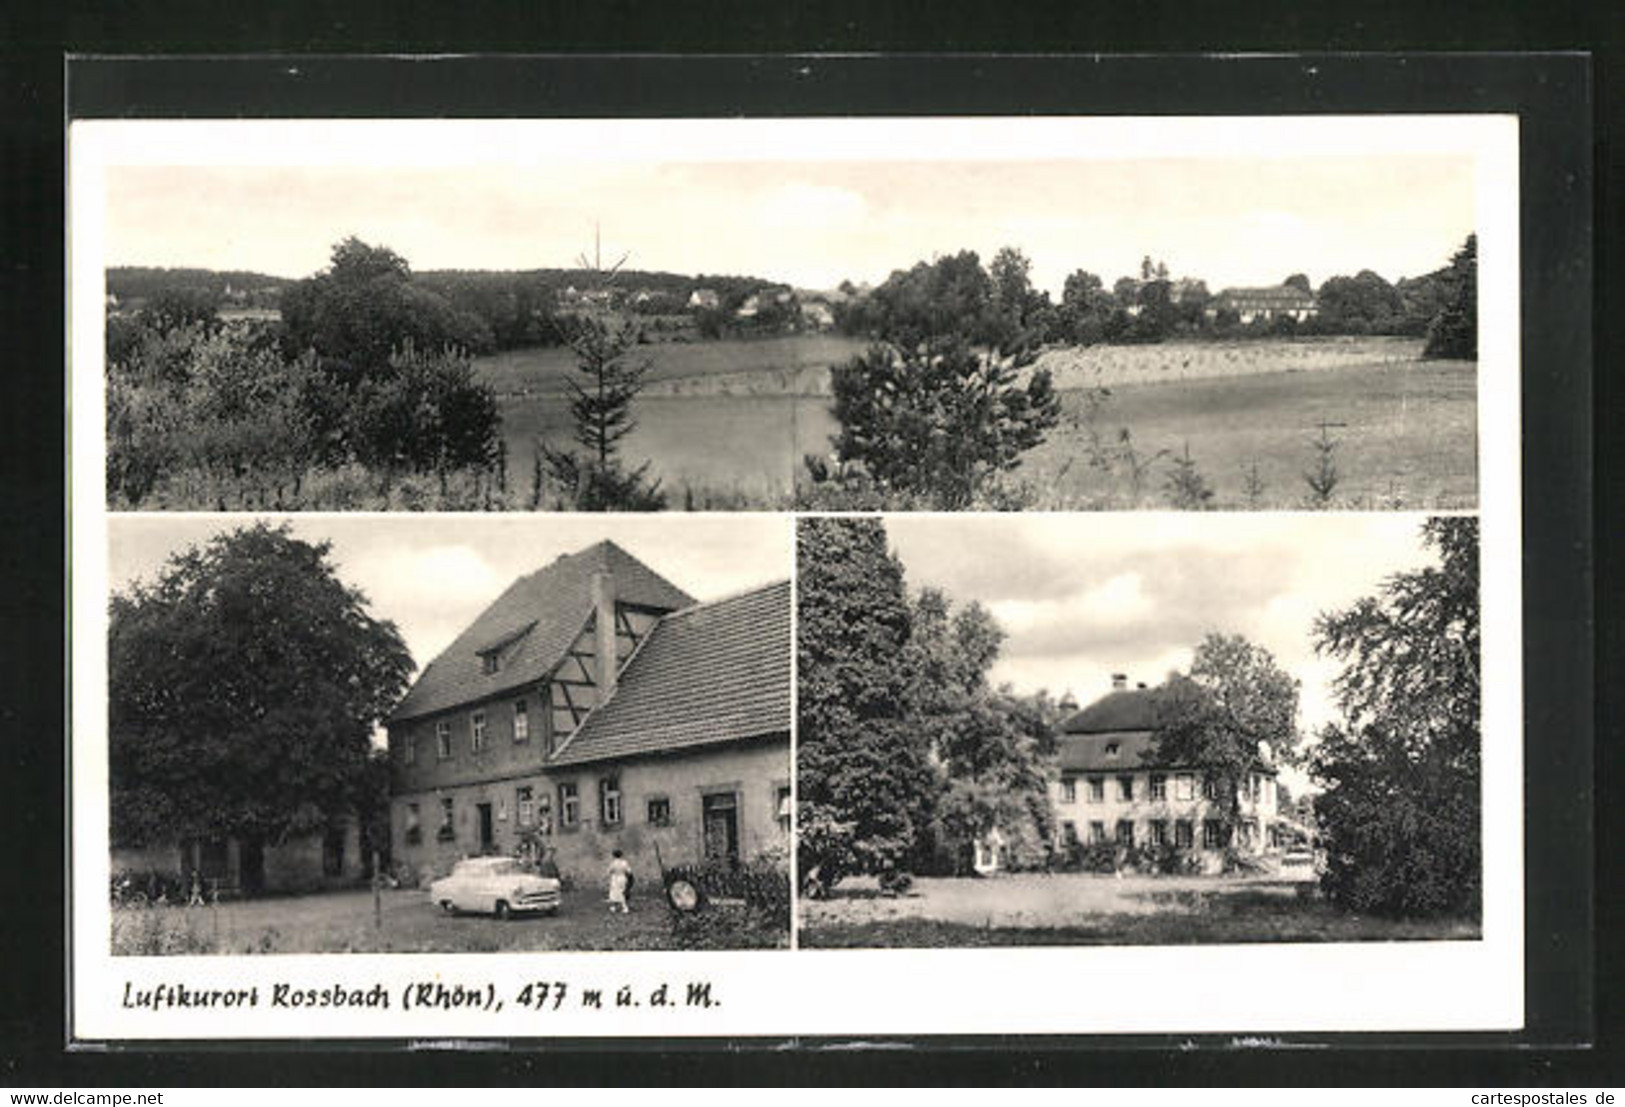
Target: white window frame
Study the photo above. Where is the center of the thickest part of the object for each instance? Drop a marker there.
(525, 806)
(1125, 789)
(521, 721)
(442, 739)
(569, 805)
(409, 749)
(1184, 786)
(609, 801)
(1157, 787)
(1097, 789)
(1069, 789)
(476, 731)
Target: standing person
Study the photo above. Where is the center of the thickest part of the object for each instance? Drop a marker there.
(620, 879)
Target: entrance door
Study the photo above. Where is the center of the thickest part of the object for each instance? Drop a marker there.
(487, 839)
(721, 812)
(251, 866)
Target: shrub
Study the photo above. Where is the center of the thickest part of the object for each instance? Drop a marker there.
(159, 933)
(133, 888)
(939, 420)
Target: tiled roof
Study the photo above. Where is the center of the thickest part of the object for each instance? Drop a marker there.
(1087, 753)
(1127, 719)
(531, 625)
(717, 672)
(1125, 709)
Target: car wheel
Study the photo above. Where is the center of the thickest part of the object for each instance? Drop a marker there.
(501, 909)
(448, 907)
(684, 895)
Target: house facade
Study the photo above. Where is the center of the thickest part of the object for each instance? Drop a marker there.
(1249, 304)
(595, 706)
(1111, 786)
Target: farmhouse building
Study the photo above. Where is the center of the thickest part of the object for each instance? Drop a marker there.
(1281, 301)
(596, 706)
(333, 857)
(1112, 787)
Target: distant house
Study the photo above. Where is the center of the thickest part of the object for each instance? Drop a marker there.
(1112, 787)
(1281, 301)
(595, 706)
(817, 315)
(704, 298)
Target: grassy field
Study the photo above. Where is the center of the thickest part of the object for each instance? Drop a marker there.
(1083, 909)
(343, 922)
(726, 424)
(1406, 437)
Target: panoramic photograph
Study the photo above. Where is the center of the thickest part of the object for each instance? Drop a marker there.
(331, 735)
(1137, 730)
(1156, 333)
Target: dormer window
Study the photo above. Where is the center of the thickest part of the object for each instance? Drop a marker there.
(490, 662)
(1111, 749)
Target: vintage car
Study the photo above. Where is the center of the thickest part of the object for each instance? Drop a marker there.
(496, 885)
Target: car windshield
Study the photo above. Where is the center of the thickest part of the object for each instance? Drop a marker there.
(499, 866)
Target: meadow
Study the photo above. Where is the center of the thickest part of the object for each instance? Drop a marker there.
(726, 424)
(1079, 909)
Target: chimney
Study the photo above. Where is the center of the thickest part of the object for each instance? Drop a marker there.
(603, 606)
(1119, 681)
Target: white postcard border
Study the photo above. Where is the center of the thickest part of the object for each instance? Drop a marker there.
(1202, 989)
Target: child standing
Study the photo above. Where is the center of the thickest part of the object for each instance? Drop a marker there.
(620, 878)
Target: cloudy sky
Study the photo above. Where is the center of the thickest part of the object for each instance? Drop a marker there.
(433, 576)
(1086, 596)
(1228, 220)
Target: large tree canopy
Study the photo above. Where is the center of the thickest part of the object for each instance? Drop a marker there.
(988, 746)
(1235, 708)
(1400, 807)
(244, 687)
(366, 305)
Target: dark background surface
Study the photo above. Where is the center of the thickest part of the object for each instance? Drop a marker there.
(1566, 104)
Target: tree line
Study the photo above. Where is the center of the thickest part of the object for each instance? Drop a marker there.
(991, 304)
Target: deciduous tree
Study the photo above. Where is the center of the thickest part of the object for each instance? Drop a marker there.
(244, 686)
(1401, 774)
(1232, 710)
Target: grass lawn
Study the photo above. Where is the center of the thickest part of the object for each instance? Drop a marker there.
(343, 922)
(1083, 909)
